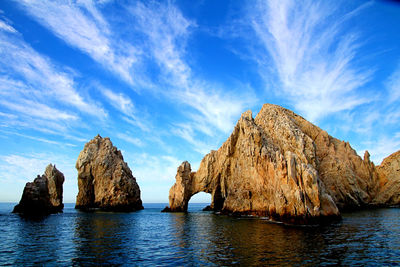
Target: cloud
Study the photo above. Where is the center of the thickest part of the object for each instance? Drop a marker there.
(161, 33)
(393, 86)
(186, 132)
(211, 110)
(26, 167)
(39, 110)
(28, 74)
(130, 139)
(81, 25)
(119, 101)
(314, 55)
(39, 94)
(383, 147)
(18, 169)
(167, 31)
(155, 168)
(6, 27)
(124, 104)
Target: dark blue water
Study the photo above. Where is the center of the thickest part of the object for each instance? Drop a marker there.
(149, 238)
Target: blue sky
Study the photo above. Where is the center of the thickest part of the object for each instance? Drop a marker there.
(167, 81)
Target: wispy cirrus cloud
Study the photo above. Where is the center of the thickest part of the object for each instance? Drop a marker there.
(6, 27)
(163, 32)
(314, 56)
(211, 110)
(167, 31)
(82, 25)
(119, 101)
(393, 86)
(36, 91)
(124, 104)
(130, 139)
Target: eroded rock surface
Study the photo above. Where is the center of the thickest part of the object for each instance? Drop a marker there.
(104, 179)
(389, 181)
(282, 166)
(44, 195)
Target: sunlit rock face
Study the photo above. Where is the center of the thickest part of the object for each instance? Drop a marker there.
(44, 195)
(104, 179)
(281, 166)
(389, 181)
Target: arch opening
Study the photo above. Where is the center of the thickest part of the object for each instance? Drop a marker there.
(199, 201)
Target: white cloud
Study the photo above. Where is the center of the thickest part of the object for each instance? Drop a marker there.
(30, 75)
(6, 27)
(155, 168)
(18, 169)
(119, 101)
(393, 86)
(38, 94)
(81, 25)
(130, 139)
(167, 31)
(382, 147)
(124, 104)
(26, 167)
(312, 53)
(211, 110)
(39, 110)
(187, 133)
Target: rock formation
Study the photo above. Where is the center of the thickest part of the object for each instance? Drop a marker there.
(44, 195)
(104, 179)
(281, 166)
(389, 181)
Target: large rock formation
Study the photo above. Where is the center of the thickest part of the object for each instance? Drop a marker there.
(282, 166)
(44, 195)
(104, 179)
(389, 181)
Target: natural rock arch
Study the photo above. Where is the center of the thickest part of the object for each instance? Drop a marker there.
(188, 184)
(281, 166)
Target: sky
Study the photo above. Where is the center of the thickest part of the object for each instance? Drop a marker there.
(168, 80)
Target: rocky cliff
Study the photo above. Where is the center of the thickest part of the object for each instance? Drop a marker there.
(104, 179)
(281, 166)
(389, 181)
(44, 195)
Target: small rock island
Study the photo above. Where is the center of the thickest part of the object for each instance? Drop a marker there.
(105, 181)
(281, 166)
(44, 195)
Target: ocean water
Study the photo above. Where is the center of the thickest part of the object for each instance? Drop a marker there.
(152, 238)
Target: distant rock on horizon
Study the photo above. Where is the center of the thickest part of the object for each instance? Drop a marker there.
(282, 166)
(104, 179)
(44, 195)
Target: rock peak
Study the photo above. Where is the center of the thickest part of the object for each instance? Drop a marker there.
(248, 115)
(104, 179)
(44, 195)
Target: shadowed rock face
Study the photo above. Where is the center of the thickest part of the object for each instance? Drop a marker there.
(282, 166)
(44, 195)
(104, 179)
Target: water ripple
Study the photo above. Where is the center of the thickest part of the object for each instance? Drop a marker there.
(149, 238)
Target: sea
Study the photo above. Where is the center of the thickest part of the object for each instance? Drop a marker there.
(197, 238)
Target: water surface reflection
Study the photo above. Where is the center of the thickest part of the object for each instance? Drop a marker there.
(151, 238)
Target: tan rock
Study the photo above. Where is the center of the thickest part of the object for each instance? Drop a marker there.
(44, 195)
(282, 166)
(389, 181)
(104, 179)
(266, 167)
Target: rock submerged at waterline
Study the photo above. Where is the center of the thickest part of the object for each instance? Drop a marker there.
(44, 195)
(281, 166)
(104, 180)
